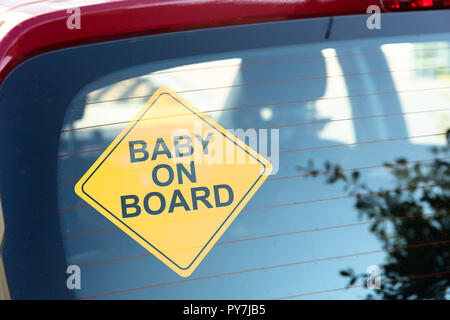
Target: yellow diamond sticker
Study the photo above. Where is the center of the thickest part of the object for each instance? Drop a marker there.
(173, 180)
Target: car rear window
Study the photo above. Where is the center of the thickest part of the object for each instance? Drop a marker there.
(355, 127)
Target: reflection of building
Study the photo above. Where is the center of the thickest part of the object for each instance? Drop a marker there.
(420, 72)
(432, 59)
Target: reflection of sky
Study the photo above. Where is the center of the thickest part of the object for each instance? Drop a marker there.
(319, 101)
(201, 76)
(335, 87)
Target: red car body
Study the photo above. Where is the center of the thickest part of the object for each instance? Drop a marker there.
(33, 27)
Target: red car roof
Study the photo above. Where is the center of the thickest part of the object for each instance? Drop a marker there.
(30, 27)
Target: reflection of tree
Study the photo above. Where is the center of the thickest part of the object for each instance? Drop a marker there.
(402, 219)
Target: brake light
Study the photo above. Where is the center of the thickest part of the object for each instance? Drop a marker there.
(404, 5)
